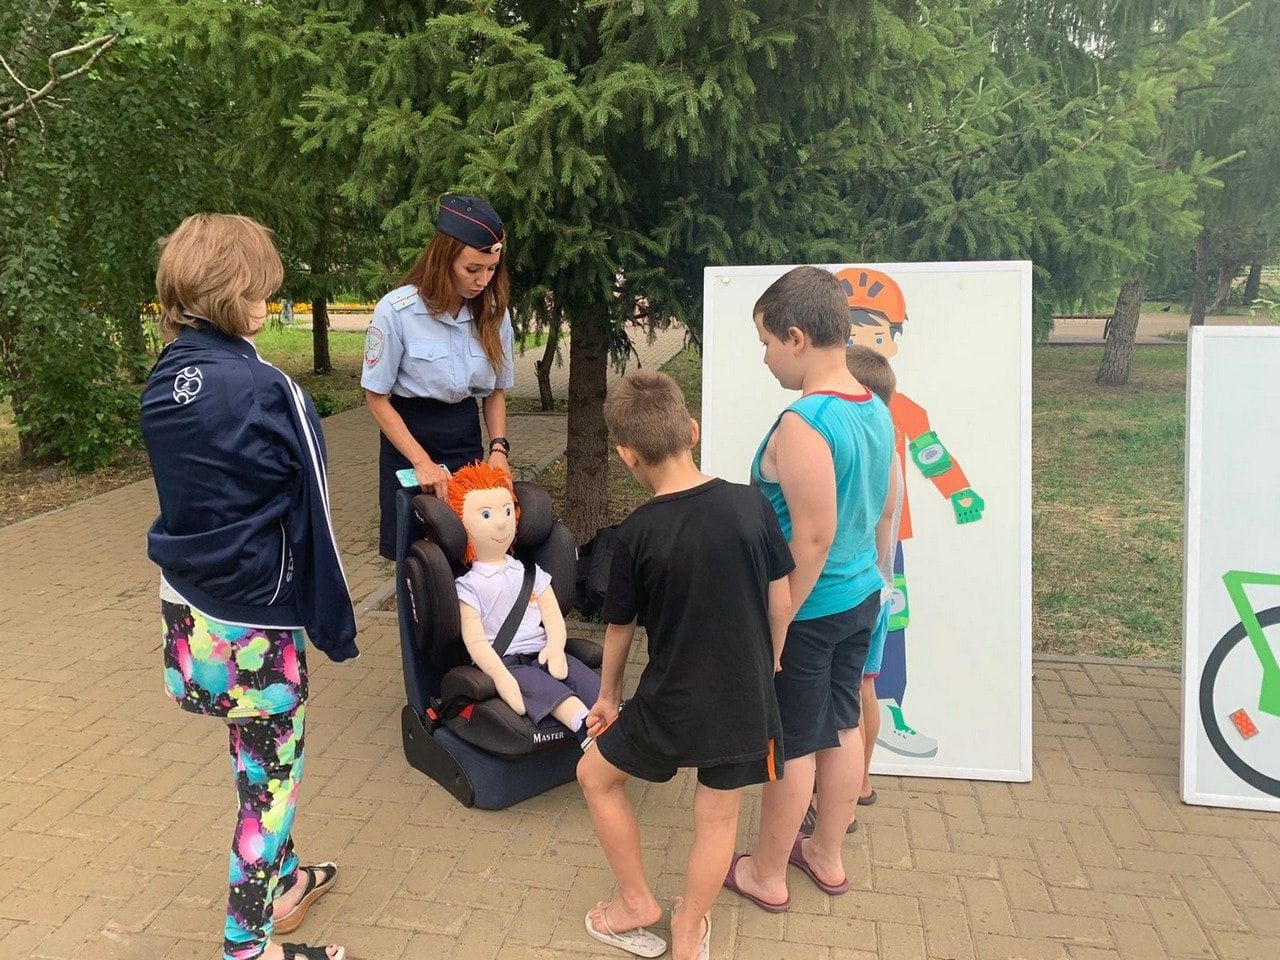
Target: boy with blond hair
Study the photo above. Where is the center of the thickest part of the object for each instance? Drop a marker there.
(702, 567)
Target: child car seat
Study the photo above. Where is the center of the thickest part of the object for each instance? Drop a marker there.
(455, 727)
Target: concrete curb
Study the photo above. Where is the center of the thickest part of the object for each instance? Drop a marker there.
(369, 604)
(1106, 662)
(535, 471)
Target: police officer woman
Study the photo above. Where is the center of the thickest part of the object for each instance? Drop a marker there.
(436, 346)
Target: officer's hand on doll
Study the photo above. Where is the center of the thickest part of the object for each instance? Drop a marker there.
(432, 476)
(509, 691)
(555, 661)
(600, 716)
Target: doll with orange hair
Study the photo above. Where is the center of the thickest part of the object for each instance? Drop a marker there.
(535, 676)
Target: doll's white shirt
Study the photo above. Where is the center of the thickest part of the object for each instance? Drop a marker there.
(492, 590)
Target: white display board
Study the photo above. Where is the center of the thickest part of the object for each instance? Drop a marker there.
(1231, 624)
(962, 683)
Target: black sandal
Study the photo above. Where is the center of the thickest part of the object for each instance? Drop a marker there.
(300, 951)
(313, 891)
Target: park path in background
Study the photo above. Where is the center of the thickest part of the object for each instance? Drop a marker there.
(1153, 328)
(665, 345)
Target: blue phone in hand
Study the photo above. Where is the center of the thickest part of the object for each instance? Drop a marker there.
(408, 477)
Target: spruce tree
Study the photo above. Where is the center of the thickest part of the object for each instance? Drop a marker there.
(631, 143)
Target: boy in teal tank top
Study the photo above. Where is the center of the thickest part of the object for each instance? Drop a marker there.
(824, 467)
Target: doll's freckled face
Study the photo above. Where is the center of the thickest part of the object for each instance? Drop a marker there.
(489, 517)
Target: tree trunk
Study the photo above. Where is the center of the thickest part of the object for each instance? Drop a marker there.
(1253, 284)
(1200, 280)
(1121, 332)
(320, 333)
(137, 349)
(320, 301)
(1227, 272)
(586, 492)
(28, 442)
(542, 368)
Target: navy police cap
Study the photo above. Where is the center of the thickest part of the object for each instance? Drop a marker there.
(472, 221)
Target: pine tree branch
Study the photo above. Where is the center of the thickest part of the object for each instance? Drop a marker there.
(99, 46)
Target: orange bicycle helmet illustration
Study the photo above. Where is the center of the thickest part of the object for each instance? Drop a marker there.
(875, 292)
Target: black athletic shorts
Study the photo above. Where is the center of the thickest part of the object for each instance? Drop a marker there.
(631, 759)
(820, 685)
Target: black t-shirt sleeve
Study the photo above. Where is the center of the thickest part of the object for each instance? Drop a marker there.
(776, 548)
(620, 601)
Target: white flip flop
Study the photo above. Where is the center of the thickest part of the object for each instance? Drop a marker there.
(640, 941)
(704, 947)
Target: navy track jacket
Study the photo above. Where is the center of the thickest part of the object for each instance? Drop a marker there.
(244, 532)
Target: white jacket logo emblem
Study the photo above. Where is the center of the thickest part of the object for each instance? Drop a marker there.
(187, 384)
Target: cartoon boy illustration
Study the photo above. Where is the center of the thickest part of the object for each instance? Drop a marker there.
(877, 311)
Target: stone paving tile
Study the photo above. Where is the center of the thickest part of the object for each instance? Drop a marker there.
(115, 807)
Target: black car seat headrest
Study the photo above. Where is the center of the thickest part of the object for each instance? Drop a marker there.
(558, 556)
(441, 526)
(536, 516)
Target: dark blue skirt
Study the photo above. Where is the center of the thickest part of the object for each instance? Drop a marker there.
(449, 432)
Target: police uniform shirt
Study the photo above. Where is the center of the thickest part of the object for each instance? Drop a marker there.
(411, 351)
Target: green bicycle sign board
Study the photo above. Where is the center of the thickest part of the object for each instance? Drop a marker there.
(1246, 737)
(1231, 628)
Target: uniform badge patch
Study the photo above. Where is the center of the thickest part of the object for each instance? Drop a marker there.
(187, 384)
(373, 341)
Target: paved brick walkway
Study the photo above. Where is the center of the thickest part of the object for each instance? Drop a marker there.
(115, 807)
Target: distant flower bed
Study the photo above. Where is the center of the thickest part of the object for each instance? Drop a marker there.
(341, 306)
(276, 307)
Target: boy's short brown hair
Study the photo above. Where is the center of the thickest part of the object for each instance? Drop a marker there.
(212, 269)
(809, 298)
(872, 370)
(646, 411)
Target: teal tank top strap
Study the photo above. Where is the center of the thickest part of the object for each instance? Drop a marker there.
(813, 409)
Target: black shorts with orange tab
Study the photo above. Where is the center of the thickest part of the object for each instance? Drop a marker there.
(631, 759)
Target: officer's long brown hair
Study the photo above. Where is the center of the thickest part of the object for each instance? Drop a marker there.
(432, 276)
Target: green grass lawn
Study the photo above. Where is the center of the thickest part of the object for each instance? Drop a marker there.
(1107, 501)
(1108, 504)
(290, 350)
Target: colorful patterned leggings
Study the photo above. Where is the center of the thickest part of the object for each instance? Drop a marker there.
(266, 756)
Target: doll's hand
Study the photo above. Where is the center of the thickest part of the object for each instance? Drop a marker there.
(601, 716)
(555, 661)
(509, 691)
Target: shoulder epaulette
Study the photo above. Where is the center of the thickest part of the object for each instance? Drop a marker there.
(404, 299)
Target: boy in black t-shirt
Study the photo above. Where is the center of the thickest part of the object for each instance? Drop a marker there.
(703, 567)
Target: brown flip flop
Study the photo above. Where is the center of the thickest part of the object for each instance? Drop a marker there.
(731, 883)
(313, 891)
(797, 859)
